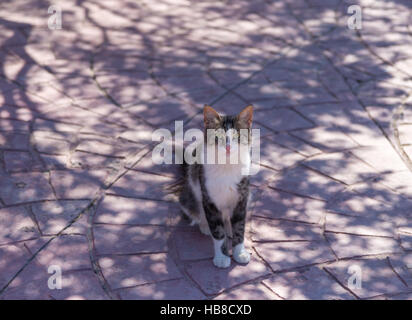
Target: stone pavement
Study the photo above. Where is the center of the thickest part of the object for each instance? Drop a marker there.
(331, 213)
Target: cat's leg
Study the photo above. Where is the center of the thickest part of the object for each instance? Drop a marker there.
(203, 225)
(238, 221)
(215, 220)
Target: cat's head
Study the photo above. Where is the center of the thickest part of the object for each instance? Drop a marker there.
(228, 132)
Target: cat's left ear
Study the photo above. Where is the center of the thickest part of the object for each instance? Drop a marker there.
(245, 117)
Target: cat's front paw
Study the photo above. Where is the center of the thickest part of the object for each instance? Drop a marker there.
(221, 261)
(241, 255)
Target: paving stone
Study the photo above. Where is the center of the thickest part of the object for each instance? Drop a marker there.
(140, 185)
(277, 157)
(193, 245)
(290, 142)
(402, 264)
(222, 279)
(281, 119)
(19, 161)
(132, 270)
(283, 256)
(271, 230)
(25, 187)
(324, 108)
(376, 277)
(15, 141)
(351, 245)
(76, 285)
(77, 184)
(53, 216)
(178, 289)
(307, 183)
(281, 205)
(16, 225)
(309, 284)
(359, 225)
(248, 292)
(120, 210)
(326, 138)
(341, 166)
(118, 239)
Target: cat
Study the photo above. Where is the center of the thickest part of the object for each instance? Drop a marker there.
(215, 196)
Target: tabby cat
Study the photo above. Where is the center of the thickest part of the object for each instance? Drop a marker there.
(215, 195)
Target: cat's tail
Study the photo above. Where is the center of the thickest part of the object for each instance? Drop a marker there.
(175, 187)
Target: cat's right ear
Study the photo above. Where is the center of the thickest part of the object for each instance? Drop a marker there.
(211, 117)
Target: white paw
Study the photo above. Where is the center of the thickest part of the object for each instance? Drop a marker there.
(240, 254)
(221, 261)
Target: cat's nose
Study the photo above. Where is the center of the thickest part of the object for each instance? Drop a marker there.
(227, 148)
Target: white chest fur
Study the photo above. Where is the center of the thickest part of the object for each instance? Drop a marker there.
(221, 184)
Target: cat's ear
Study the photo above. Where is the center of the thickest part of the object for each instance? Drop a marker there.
(211, 117)
(245, 117)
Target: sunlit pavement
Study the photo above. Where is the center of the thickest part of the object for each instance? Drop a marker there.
(81, 198)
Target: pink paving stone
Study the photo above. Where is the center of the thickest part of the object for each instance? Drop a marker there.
(48, 125)
(147, 165)
(281, 119)
(341, 166)
(76, 285)
(402, 265)
(86, 160)
(13, 125)
(255, 291)
(266, 230)
(12, 140)
(140, 185)
(13, 257)
(16, 225)
(179, 289)
(192, 245)
(114, 148)
(120, 210)
(377, 277)
(50, 146)
(160, 112)
(120, 239)
(282, 205)
(53, 216)
(359, 225)
(309, 284)
(77, 184)
(18, 161)
(406, 241)
(289, 255)
(382, 158)
(350, 245)
(213, 280)
(277, 157)
(353, 204)
(132, 270)
(305, 182)
(70, 252)
(54, 162)
(25, 187)
(326, 138)
(289, 141)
